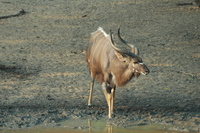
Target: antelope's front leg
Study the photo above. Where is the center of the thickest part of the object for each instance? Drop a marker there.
(112, 99)
(107, 92)
(103, 85)
(109, 97)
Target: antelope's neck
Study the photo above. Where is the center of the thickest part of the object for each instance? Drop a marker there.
(122, 77)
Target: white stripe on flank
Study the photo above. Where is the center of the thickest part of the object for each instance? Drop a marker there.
(97, 47)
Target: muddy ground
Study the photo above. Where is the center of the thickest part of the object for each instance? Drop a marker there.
(43, 74)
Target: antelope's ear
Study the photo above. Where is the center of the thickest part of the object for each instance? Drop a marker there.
(120, 56)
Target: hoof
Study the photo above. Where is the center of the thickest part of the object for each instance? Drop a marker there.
(89, 105)
(109, 118)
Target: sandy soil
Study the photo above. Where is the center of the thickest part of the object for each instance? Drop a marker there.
(44, 76)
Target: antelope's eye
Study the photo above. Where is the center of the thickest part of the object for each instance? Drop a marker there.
(135, 62)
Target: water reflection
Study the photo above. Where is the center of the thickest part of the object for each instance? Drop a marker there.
(102, 126)
(90, 126)
(108, 127)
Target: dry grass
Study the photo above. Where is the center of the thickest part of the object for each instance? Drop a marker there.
(196, 55)
(13, 41)
(162, 65)
(61, 74)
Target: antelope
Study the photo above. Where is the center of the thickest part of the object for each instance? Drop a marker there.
(110, 65)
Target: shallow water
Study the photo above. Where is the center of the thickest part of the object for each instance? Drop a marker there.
(88, 126)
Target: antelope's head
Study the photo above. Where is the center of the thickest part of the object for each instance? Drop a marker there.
(131, 58)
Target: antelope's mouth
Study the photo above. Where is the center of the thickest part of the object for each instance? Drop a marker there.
(145, 73)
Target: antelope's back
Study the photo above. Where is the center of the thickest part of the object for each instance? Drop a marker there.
(93, 43)
(96, 53)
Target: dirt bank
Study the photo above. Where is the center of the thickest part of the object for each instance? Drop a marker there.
(44, 78)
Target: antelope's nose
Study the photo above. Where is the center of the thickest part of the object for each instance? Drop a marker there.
(147, 72)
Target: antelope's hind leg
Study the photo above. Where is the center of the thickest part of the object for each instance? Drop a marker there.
(90, 95)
